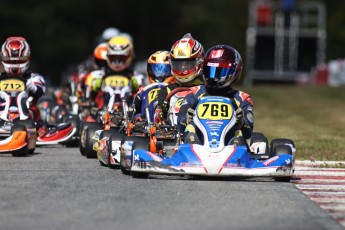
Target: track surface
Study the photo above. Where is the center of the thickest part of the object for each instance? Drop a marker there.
(57, 188)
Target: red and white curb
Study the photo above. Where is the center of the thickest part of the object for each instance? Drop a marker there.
(323, 184)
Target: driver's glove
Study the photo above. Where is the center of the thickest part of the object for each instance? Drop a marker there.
(189, 116)
(165, 106)
(239, 116)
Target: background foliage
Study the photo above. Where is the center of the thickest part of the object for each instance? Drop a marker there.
(63, 32)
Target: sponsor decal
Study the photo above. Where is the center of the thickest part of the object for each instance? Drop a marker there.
(154, 157)
(216, 53)
(250, 117)
(136, 157)
(214, 134)
(270, 161)
(213, 64)
(231, 165)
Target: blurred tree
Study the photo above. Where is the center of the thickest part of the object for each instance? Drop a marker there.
(62, 33)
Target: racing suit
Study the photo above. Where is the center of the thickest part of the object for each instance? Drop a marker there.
(35, 86)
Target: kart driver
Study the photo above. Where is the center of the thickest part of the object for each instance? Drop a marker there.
(15, 58)
(186, 60)
(222, 68)
(159, 76)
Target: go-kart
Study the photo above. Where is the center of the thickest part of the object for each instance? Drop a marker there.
(109, 119)
(215, 156)
(57, 126)
(136, 125)
(17, 130)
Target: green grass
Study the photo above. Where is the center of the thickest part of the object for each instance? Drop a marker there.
(313, 117)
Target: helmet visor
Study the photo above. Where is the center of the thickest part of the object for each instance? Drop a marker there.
(159, 71)
(184, 64)
(214, 73)
(117, 59)
(14, 60)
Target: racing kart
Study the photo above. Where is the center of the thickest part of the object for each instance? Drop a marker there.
(109, 119)
(17, 130)
(57, 125)
(216, 155)
(142, 126)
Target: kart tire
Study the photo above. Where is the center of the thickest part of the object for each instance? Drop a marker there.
(114, 136)
(89, 133)
(281, 149)
(82, 128)
(280, 141)
(139, 144)
(105, 133)
(29, 124)
(259, 137)
(20, 152)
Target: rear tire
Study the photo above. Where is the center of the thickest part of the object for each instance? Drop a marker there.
(82, 129)
(89, 133)
(114, 136)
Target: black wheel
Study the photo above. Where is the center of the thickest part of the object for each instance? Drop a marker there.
(89, 133)
(20, 152)
(105, 133)
(138, 143)
(82, 136)
(18, 127)
(29, 124)
(259, 137)
(281, 149)
(115, 136)
(280, 141)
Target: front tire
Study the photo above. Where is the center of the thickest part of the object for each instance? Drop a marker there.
(89, 142)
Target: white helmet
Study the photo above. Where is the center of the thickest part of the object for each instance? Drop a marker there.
(109, 33)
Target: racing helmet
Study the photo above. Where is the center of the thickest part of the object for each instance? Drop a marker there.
(186, 59)
(109, 33)
(100, 55)
(15, 55)
(222, 66)
(120, 53)
(158, 68)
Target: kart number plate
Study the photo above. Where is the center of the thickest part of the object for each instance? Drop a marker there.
(116, 81)
(152, 95)
(214, 111)
(12, 85)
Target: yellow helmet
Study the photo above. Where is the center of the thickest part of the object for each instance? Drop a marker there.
(120, 53)
(158, 68)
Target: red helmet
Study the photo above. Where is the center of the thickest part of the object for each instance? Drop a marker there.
(15, 55)
(222, 66)
(186, 59)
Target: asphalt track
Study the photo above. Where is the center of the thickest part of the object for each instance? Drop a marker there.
(57, 188)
